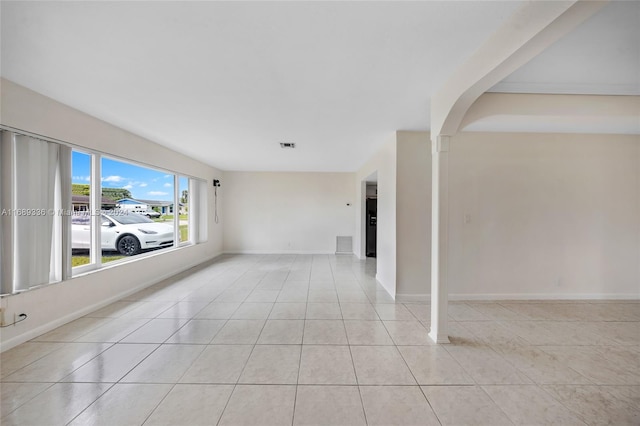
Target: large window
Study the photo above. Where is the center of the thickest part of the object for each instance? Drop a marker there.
(67, 211)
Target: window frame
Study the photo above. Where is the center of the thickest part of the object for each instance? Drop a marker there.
(95, 204)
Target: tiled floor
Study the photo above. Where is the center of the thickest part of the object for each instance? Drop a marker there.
(304, 340)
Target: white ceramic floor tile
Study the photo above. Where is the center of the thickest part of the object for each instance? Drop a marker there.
(494, 311)
(191, 405)
(317, 311)
(596, 404)
(57, 405)
(58, 364)
(328, 405)
(539, 366)
(233, 295)
(155, 331)
(380, 365)
(485, 366)
(218, 364)
(350, 296)
(147, 310)
(432, 365)
(185, 310)
(73, 330)
(367, 333)
(239, 332)
(123, 404)
(324, 332)
(408, 333)
(23, 355)
(13, 395)
(260, 405)
(326, 364)
(166, 365)
(112, 364)
(526, 405)
(197, 332)
(263, 296)
(322, 296)
(396, 405)
(276, 320)
(462, 312)
(394, 312)
(272, 364)
(282, 332)
(113, 331)
(419, 310)
(600, 368)
(464, 405)
(290, 311)
(218, 310)
(253, 311)
(358, 311)
(296, 295)
(114, 310)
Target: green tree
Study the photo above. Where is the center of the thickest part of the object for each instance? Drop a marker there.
(80, 189)
(184, 199)
(116, 193)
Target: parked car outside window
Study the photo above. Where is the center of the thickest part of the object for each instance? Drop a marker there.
(125, 232)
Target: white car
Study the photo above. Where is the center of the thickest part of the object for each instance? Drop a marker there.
(127, 233)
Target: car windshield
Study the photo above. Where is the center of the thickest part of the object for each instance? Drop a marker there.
(125, 218)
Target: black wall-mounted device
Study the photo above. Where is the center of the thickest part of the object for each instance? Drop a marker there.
(216, 182)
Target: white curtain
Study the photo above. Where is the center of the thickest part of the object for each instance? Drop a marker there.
(37, 242)
(6, 219)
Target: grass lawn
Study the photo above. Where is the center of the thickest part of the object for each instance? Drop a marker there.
(84, 260)
(169, 217)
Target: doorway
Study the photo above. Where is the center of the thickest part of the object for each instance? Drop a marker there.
(371, 219)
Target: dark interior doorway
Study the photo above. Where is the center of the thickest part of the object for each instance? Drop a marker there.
(372, 222)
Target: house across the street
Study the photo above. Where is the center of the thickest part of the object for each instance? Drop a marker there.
(80, 203)
(162, 207)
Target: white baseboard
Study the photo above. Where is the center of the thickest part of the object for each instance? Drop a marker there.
(278, 252)
(425, 297)
(52, 325)
(413, 298)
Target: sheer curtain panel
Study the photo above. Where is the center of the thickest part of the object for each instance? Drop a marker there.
(36, 202)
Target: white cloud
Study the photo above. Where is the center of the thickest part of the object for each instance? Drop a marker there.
(167, 185)
(128, 186)
(115, 179)
(167, 176)
(157, 193)
(82, 178)
(142, 185)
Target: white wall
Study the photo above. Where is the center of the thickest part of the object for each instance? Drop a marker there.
(551, 216)
(413, 214)
(51, 306)
(267, 212)
(384, 163)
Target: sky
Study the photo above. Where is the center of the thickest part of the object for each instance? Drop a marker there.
(142, 182)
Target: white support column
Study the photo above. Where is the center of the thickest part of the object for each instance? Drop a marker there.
(439, 238)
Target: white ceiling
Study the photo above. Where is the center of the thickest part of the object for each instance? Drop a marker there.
(225, 82)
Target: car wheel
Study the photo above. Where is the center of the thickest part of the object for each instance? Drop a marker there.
(128, 245)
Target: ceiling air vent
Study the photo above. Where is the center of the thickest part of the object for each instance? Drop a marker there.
(287, 145)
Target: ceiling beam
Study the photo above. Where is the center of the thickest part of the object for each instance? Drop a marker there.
(586, 107)
(528, 32)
